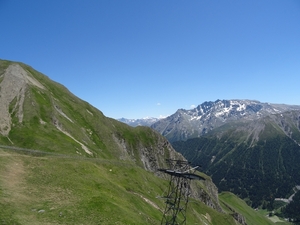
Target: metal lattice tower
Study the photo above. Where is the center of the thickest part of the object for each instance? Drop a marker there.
(178, 192)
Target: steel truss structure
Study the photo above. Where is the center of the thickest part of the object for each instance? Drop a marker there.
(178, 191)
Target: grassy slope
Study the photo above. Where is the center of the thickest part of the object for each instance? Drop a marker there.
(61, 190)
(74, 191)
(252, 217)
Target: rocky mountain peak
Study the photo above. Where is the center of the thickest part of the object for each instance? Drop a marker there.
(209, 115)
(232, 109)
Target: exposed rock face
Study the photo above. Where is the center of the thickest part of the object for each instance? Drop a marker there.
(154, 159)
(238, 217)
(151, 156)
(12, 88)
(209, 196)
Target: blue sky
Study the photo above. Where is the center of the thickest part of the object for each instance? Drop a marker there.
(140, 58)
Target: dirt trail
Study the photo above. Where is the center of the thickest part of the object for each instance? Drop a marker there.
(12, 180)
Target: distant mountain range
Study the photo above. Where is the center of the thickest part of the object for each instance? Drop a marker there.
(186, 124)
(148, 121)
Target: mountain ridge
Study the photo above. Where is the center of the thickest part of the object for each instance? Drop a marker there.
(185, 124)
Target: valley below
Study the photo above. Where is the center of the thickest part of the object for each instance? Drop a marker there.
(62, 161)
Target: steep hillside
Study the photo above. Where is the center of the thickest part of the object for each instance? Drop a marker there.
(38, 113)
(63, 162)
(256, 160)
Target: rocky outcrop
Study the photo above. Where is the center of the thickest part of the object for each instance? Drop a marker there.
(238, 217)
(206, 193)
(151, 156)
(12, 94)
(12, 88)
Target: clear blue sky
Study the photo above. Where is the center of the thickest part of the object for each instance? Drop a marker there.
(139, 58)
